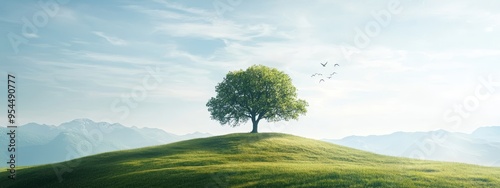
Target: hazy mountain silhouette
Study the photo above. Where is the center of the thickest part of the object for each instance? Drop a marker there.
(481, 147)
(42, 144)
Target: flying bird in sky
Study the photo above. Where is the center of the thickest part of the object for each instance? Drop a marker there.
(324, 65)
(316, 74)
(333, 73)
(336, 64)
(321, 80)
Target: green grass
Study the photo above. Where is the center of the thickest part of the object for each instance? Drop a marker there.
(254, 160)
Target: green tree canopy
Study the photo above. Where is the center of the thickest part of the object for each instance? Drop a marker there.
(257, 93)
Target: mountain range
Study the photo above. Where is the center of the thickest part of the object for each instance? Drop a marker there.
(42, 144)
(481, 147)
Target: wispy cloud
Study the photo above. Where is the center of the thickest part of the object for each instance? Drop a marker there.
(181, 21)
(183, 8)
(216, 30)
(156, 13)
(31, 35)
(113, 40)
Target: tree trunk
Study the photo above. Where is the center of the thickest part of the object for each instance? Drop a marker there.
(255, 124)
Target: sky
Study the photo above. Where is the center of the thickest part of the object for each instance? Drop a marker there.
(404, 65)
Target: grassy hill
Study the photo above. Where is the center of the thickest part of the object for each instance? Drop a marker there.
(254, 160)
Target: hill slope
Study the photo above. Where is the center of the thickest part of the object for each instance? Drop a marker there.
(252, 160)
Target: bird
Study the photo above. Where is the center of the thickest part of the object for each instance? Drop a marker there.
(330, 77)
(316, 74)
(336, 64)
(324, 65)
(333, 73)
(321, 80)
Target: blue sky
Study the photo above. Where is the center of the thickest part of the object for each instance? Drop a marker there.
(404, 65)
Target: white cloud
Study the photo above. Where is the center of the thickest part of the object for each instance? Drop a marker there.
(113, 40)
(31, 35)
(158, 14)
(216, 30)
(183, 8)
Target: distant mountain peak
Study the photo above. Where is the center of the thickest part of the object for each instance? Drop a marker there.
(197, 133)
(489, 128)
(480, 147)
(42, 144)
(33, 124)
(82, 120)
(491, 132)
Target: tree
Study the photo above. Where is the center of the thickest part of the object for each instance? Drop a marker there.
(257, 93)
